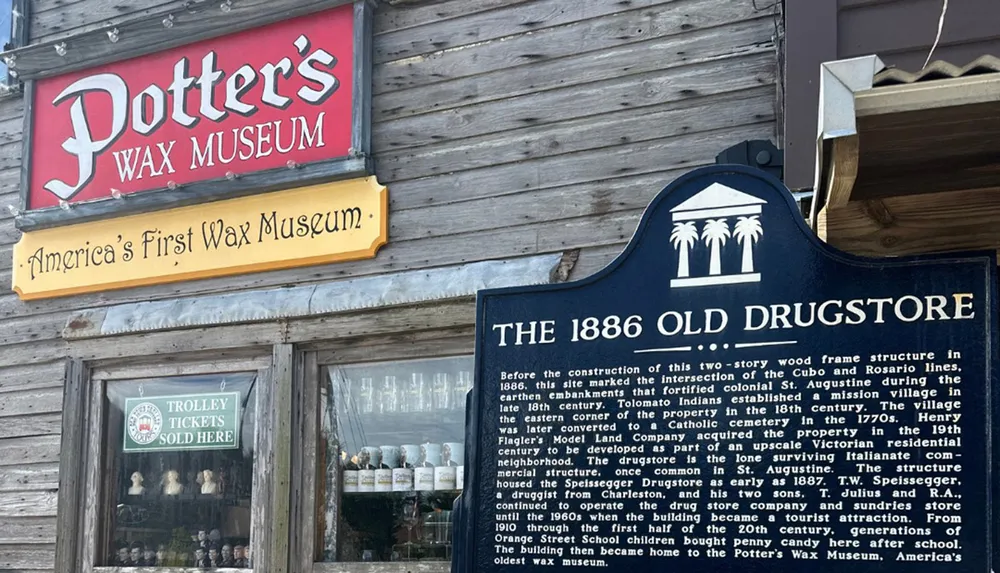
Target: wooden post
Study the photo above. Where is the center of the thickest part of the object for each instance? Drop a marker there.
(304, 465)
(94, 479)
(282, 369)
(261, 516)
(71, 467)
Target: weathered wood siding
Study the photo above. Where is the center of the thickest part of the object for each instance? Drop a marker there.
(503, 128)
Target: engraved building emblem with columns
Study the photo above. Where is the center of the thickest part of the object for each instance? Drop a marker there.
(709, 219)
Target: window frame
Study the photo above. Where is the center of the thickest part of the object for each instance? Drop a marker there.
(20, 18)
(83, 461)
(449, 342)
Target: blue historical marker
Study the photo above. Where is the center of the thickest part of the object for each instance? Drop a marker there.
(730, 394)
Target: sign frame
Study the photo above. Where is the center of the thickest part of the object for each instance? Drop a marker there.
(357, 163)
(467, 537)
(139, 400)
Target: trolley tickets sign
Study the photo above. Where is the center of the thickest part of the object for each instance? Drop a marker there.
(271, 100)
(183, 422)
(332, 222)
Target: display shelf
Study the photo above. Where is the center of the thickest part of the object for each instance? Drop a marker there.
(162, 498)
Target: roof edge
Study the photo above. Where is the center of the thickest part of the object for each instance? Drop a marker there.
(839, 81)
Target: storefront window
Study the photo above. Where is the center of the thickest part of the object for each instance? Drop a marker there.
(394, 457)
(179, 471)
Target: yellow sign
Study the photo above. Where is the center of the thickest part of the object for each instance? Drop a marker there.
(340, 221)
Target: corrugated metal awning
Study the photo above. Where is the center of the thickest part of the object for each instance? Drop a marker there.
(937, 70)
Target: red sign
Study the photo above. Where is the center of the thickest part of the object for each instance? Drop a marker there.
(233, 105)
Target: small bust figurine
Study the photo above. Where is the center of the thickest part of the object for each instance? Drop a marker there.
(123, 557)
(213, 557)
(135, 555)
(136, 488)
(446, 456)
(227, 556)
(200, 560)
(215, 537)
(202, 538)
(422, 462)
(238, 560)
(161, 554)
(208, 483)
(172, 483)
(149, 557)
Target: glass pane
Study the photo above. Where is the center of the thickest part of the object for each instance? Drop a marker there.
(179, 471)
(394, 457)
(6, 26)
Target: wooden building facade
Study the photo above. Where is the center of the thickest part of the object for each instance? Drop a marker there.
(519, 141)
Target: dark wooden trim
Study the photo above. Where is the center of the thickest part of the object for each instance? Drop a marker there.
(194, 193)
(196, 21)
(71, 470)
(810, 40)
(27, 131)
(364, 30)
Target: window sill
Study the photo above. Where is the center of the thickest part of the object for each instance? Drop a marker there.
(168, 570)
(384, 566)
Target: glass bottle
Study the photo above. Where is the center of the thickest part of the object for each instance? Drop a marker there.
(390, 396)
(416, 394)
(462, 386)
(367, 395)
(441, 391)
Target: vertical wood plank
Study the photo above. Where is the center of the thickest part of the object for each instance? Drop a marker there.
(304, 466)
(94, 481)
(71, 470)
(282, 369)
(296, 511)
(329, 464)
(260, 519)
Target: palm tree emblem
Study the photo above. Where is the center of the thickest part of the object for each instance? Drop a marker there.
(684, 236)
(747, 232)
(715, 234)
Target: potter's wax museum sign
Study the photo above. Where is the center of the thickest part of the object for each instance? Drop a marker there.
(731, 394)
(183, 422)
(331, 222)
(253, 110)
